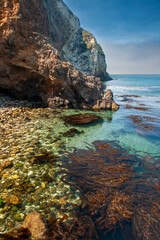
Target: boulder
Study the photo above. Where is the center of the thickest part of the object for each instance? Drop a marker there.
(35, 225)
(107, 102)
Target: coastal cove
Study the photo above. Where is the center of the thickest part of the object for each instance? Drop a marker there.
(107, 168)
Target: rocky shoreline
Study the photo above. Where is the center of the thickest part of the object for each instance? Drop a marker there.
(30, 163)
(29, 171)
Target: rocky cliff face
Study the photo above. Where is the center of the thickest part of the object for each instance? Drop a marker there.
(75, 45)
(33, 36)
(83, 51)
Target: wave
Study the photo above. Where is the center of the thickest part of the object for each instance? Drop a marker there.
(127, 88)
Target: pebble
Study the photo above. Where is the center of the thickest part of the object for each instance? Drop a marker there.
(43, 185)
(15, 177)
(2, 216)
(30, 173)
(14, 200)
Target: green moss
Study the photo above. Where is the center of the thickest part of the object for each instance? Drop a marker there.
(85, 39)
(14, 208)
(1, 203)
(17, 217)
(20, 165)
(89, 46)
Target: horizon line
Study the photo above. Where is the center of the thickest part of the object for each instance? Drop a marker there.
(134, 73)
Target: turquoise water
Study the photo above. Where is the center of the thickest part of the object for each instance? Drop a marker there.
(137, 91)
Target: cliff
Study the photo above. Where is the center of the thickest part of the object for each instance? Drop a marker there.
(35, 35)
(75, 45)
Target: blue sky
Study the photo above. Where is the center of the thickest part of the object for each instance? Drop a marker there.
(128, 30)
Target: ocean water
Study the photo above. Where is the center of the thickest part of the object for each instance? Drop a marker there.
(30, 134)
(144, 91)
(137, 95)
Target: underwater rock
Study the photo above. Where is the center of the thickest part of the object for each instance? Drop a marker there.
(14, 200)
(35, 225)
(71, 132)
(43, 158)
(80, 119)
(6, 164)
(47, 178)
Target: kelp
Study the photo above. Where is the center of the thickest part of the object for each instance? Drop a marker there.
(119, 192)
(115, 193)
(140, 108)
(144, 123)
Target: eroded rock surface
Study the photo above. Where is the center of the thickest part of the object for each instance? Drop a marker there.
(33, 36)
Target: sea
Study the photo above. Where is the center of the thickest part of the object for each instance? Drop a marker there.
(138, 96)
(39, 149)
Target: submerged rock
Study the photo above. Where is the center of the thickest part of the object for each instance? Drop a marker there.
(14, 200)
(79, 119)
(35, 225)
(43, 158)
(71, 132)
(33, 36)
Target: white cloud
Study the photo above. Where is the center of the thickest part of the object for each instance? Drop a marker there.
(137, 58)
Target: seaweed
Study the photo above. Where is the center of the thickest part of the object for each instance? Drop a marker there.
(115, 195)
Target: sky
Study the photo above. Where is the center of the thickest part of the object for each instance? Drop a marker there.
(128, 31)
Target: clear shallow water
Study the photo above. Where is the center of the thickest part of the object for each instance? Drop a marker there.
(141, 91)
(135, 127)
(137, 91)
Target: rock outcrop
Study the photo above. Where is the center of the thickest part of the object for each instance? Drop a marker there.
(33, 37)
(75, 45)
(83, 51)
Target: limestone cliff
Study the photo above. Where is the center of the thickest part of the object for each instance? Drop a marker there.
(33, 35)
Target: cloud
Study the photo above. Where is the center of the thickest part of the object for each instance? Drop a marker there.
(137, 58)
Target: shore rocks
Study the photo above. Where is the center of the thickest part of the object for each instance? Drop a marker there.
(30, 64)
(107, 102)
